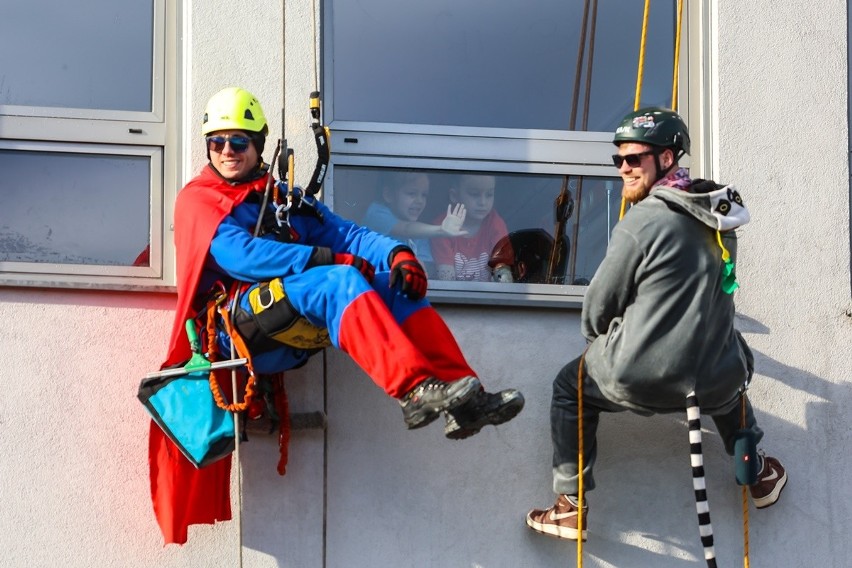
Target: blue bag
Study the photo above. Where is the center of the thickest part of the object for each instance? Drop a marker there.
(184, 407)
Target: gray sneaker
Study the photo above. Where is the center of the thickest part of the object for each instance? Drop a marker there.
(427, 400)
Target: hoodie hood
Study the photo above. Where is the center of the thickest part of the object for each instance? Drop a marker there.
(720, 207)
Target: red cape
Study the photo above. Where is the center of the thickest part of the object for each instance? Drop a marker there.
(183, 495)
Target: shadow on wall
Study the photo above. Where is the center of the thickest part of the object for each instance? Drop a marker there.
(642, 513)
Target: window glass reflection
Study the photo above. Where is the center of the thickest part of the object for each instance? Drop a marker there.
(506, 64)
(100, 57)
(63, 208)
(487, 227)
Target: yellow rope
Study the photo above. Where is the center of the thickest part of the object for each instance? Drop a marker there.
(580, 464)
(636, 101)
(744, 491)
(677, 55)
(640, 71)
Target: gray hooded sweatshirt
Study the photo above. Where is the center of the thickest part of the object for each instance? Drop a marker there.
(657, 318)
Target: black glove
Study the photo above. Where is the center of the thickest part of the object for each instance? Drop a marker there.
(407, 270)
(323, 256)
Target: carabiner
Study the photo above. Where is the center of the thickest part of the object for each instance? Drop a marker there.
(281, 210)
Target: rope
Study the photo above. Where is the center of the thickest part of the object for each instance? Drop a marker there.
(314, 44)
(241, 349)
(676, 72)
(575, 238)
(699, 483)
(580, 53)
(237, 460)
(580, 464)
(641, 69)
(212, 354)
(282, 408)
(744, 489)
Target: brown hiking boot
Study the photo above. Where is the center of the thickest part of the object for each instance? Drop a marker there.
(770, 481)
(560, 520)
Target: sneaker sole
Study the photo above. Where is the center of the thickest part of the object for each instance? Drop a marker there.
(772, 498)
(460, 392)
(565, 533)
(501, 415)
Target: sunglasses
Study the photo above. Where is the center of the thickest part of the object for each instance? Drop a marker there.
(633, 160)
(239, 144)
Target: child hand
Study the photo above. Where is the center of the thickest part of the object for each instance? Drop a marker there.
(452, 223)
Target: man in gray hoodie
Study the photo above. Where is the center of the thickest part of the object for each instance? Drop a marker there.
(658, 316)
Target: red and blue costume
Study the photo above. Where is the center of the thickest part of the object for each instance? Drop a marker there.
(398, 341)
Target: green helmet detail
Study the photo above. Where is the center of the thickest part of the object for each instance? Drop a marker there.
(233, 109)
(656, 126)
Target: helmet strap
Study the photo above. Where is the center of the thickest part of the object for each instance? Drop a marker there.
(660, 174)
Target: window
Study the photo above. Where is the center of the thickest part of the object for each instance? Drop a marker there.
(83, 140)
(522, 97)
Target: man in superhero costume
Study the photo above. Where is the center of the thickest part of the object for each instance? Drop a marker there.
(323, 280)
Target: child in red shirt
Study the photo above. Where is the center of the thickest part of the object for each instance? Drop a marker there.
(466, 257)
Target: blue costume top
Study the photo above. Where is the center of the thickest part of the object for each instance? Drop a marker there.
(320, 293)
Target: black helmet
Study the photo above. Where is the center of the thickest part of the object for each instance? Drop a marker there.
(656, 126)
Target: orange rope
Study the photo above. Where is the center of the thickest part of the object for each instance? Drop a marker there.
(241, 349)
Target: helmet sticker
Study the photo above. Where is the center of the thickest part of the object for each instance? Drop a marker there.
(645, 121)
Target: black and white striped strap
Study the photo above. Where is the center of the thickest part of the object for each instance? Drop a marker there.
(705, 528)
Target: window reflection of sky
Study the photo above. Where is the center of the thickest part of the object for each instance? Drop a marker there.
(508, 64)
(96, 55)
(73, 208)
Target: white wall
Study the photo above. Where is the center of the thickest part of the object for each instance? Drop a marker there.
(74, 467)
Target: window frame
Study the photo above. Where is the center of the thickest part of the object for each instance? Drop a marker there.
(481, 149)
(154, 134)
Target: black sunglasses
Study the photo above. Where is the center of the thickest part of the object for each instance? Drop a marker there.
(239, 144)
(633, 160)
